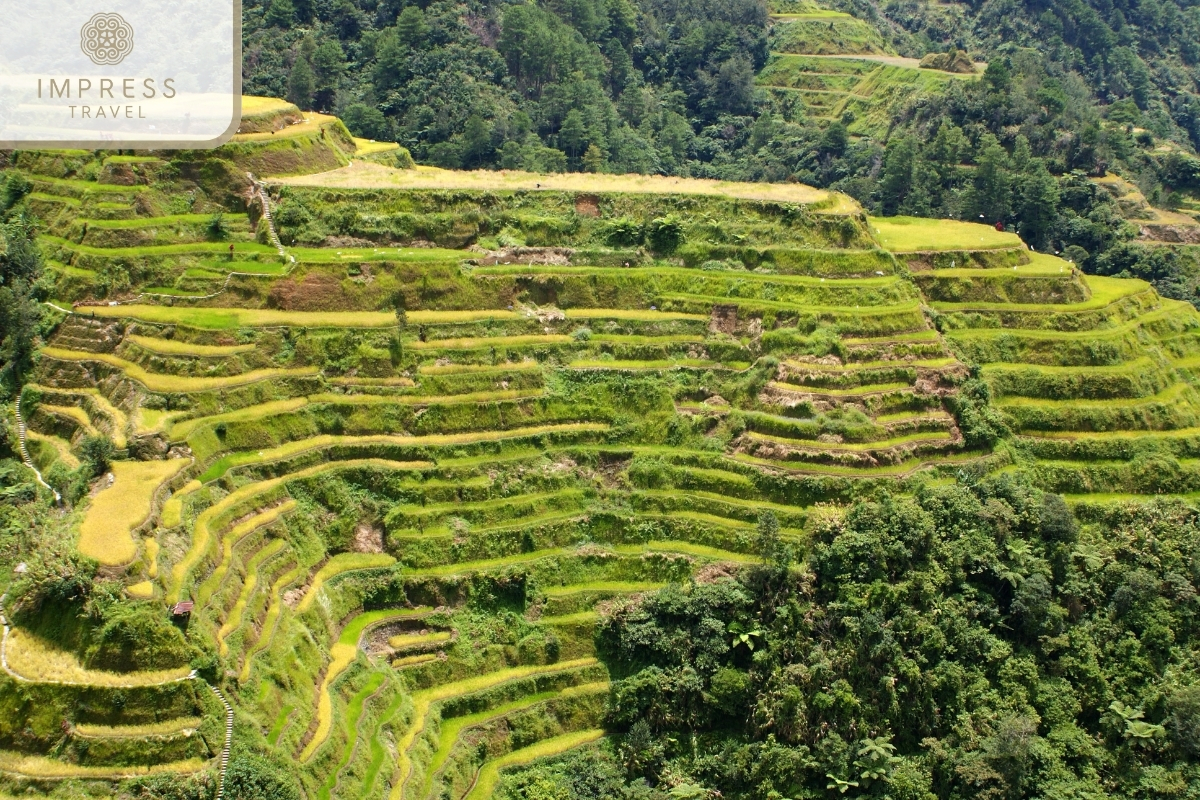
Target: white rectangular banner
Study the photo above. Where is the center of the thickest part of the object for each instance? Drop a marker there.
(119, 73)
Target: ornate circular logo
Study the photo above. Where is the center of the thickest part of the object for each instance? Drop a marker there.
(106, 39)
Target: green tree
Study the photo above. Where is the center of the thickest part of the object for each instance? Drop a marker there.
(477, 142)
(329, 64)
(593, 159)
(1037, 208)
(367, 122)
(897, 174)
(573, 133)
(998, 76)
(20, 313)
(392, 58)
(411, 27)
(835, 139)
(991, 197)
(301, 84)
(281, 14)
(769, 542)
(97, 451)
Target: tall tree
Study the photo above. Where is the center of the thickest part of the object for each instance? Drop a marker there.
(302, 84)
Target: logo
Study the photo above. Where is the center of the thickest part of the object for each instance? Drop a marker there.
(106, 39)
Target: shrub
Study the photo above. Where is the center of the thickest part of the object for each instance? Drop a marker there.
(98, 452)
(1184, 719)
(623, 232)
(137, 637)
(253, 777)
(216, 229)
(979, 421)
(665, 234)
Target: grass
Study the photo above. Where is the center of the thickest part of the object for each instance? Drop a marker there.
(486, 396)
(179, 431)
(409, 640)
(142, 590)
(253, 105)
(157, 382)
(73, 413)
(423, 703)
(687, 548)
(602, 587)
(1170, 394)
(339, 564)
(54, 198)
(281, 720)
(656, 364)
(226, 463)
(856, 447)
(271, 620)
(251, 583)
(151, 420)
(146, 222)
(890, 471)
(173, 347)
(364, 175)
(414, 660)
(368, 147)
(61, 447)
(172, 513)
(151, 546)
(915, 336)
(115, 511)
(29, 766)
(100, 405)
(232, 318)
(378, 749)
(1177, 433)
(311, 124)
(450, 730)
(170, 727)
(231, 538)
(341, 655)
(1114, 332)
(578, 618)
(190, 248)
(34, 658)
(463, 369)
(858, 366)
(751, 506)
(639, 314)
(490, 341)
(202, 534)
(1105, 292)
(489, 776)
(353, 716)
(916, 234)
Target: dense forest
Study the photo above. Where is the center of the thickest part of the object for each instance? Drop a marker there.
(466, 84)
(1073, 90)
(972, 642)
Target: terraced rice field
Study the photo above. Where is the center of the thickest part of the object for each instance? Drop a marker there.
(401, 483)
(839, 69)
(105, 533)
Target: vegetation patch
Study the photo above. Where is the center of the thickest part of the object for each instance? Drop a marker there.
(116, 510)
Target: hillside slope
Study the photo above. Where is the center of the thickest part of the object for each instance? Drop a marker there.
(412, 442)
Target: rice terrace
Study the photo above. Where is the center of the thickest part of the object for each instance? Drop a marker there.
(363, 479)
